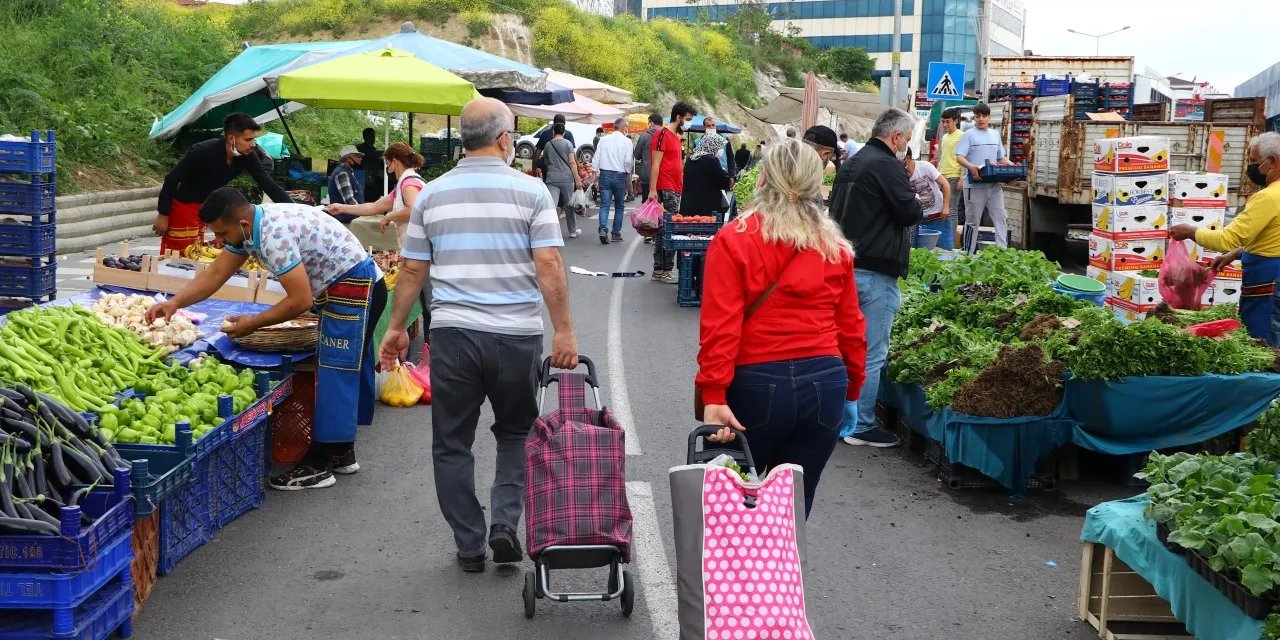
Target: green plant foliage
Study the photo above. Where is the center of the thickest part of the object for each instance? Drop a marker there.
(848, 64)
(1264, 440)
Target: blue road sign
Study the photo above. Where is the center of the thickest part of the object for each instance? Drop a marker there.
(946, 81)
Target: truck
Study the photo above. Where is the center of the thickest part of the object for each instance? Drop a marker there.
(1028, 68)
(1054, 203)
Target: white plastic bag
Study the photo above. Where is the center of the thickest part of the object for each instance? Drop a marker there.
(579, 200)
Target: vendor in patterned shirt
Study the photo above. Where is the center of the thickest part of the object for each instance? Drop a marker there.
(319, 263)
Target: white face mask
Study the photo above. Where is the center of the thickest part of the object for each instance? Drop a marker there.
(901, 154)
(511, 155)
(235, 153)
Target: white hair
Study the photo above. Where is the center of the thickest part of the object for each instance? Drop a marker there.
(482, 132)
(1267, 145)
(893, 121)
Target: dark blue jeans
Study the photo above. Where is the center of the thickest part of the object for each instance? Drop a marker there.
(791, 410)
(613, 190)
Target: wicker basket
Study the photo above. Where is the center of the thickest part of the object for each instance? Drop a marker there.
(301, 336)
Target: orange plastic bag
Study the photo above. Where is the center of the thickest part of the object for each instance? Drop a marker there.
(401, 390)
(1183, 282)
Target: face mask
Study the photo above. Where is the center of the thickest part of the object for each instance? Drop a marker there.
(901, 154)
(1254, 171)
(511, 155)
(235, 153)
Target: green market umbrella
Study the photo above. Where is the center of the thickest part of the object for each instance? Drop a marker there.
(386, 80)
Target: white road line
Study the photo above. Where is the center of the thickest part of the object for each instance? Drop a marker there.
(75, 271)
(617, 372)
(651, 555)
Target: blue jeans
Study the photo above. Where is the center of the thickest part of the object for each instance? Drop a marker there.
(791, 410)
(948, 228)
(613, 190)
(879, 299)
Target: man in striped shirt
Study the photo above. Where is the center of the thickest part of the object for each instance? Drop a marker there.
(489, 236)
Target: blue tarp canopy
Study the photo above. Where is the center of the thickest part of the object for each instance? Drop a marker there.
(242, 84)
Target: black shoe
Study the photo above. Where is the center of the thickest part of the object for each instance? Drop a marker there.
(876, 437)
(505, 544)
(604, 237)
(303, 476)
(617, 237)
(648, 240)
(471, 565)
(345, 463)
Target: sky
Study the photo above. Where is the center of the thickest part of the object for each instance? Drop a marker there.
(1224, 41)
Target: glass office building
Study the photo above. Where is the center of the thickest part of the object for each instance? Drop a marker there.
(932, 30)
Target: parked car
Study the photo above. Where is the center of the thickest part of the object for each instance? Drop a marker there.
(583, 135)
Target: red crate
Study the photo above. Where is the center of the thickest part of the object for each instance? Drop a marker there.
(291, 420)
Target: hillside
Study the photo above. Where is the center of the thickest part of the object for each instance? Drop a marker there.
(134, 60)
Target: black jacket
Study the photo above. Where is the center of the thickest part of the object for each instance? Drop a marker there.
(205, 169)
(874, 205)
(742, 158)
(704, 181)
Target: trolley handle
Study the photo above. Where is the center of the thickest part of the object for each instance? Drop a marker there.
(708, 454)
(545, 378)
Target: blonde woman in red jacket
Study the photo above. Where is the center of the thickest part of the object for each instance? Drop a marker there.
(782, 338)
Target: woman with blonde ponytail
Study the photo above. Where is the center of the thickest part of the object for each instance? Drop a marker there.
(782, 338)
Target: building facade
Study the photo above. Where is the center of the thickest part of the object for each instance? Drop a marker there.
(932, 30)
(1266, 85)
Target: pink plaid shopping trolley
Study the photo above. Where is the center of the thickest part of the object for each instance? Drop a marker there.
(576, 511)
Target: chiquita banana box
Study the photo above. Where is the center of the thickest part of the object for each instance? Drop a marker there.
(1211, 219)
(1139, 154)
(1139, 289)
(1127, 254)
(1101, 275)
(1198, 190)
(1130, 190)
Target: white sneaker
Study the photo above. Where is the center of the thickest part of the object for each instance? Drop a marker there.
(575, 233)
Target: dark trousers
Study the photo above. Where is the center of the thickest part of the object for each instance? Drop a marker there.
(466, 368)
(664, 260)
(792, 411)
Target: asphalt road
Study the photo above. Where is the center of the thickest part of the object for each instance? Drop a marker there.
(892, 553)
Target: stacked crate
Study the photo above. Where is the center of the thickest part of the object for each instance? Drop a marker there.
(1084, 97)
(1117, 97)
(1200, 200)
(1021, 97)
(28, 236)
(1130, 221)
(690, 241)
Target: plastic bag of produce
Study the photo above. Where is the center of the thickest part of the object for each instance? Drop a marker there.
(579, 200)
(421, 374)
(646, 219)
(1182, 281)
(401, 390)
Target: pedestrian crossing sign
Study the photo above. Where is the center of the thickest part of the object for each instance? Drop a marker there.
(946, 81)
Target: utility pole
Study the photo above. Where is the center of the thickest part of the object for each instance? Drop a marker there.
(984, 44)
(897, 53)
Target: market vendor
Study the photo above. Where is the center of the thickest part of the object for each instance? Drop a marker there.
(1253, 237)
(319, 263)
(207, 166)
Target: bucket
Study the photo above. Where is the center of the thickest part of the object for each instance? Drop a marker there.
(927, 238)
(1096, 298)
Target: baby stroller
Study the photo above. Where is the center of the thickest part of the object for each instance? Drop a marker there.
(590, 185)
(577, 516)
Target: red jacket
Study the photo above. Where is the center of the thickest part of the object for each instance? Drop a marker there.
(813, 312)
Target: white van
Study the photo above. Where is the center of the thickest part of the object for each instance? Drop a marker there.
(583, 135)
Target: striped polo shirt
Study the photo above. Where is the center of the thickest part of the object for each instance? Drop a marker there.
(478, 226)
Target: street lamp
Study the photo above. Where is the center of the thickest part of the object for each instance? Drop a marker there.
(1097, 40)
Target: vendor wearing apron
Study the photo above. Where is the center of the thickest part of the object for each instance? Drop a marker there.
(207, 166)
(312, 255)
(1254, 239)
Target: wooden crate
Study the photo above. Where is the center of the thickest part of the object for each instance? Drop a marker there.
(103, 275)
(268, 291)
(165, 277)
(1119, 603)
(1016, 212)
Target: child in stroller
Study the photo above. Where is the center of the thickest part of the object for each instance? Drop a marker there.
(590, 184)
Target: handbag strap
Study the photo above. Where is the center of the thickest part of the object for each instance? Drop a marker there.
(755, 306)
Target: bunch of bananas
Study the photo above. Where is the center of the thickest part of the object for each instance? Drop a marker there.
(205, 253)
(389, 277)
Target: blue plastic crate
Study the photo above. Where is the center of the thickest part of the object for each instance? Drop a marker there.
(158, 474)
(36, 239)
(109, 611)
(689, 293)
(1053, 86)
(697, 245)
(998, 173)
(58, 590)
(186, 522)
(33, 198)
(77, 546)
(35, 281)
(237, 467)
(29, 156)
(200, 449)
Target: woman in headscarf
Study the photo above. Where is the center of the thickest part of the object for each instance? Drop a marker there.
(705, 180)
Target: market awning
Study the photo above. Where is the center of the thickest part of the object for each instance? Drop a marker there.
(580, 109)
(588, 88)
(386, 80)
(788, 107)
(238, 86)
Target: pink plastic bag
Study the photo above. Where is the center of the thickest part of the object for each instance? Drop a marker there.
(421, 373)
(646, 219)
(1183, 282)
